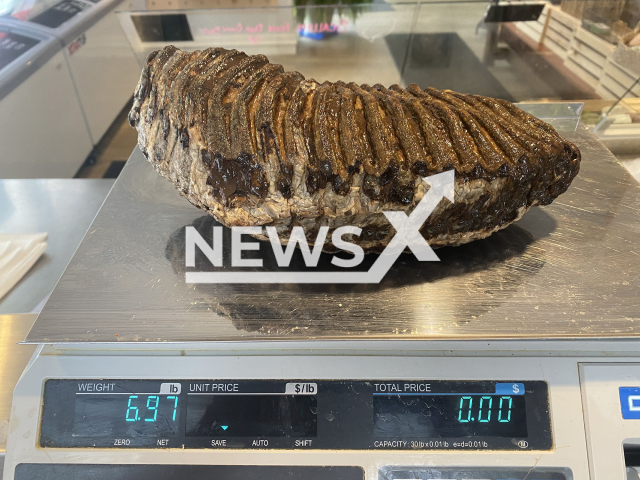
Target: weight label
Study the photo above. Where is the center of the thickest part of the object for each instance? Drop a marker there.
(301, 389)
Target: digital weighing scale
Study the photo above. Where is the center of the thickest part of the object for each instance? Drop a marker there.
(515, 357)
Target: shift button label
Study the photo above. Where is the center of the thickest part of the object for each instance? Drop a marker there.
(630, 402)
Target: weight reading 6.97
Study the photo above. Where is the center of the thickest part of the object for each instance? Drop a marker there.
(484, 410)
(145, 408)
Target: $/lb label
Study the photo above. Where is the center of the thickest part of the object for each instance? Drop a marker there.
(301, 389)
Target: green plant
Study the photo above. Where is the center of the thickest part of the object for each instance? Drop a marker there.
(322, 11)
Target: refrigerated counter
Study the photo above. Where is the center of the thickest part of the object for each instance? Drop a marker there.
(42, 128)
(101, 65)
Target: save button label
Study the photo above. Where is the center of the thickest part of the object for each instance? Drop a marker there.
(630, 402)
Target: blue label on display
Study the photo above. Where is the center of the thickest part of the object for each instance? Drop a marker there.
(509, 388)
(630, 402)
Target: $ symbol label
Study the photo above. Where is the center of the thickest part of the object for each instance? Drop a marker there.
(516, 388)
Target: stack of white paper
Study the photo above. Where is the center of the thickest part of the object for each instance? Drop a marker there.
(18, 253)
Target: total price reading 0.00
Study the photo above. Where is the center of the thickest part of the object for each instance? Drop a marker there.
(144, 408)
(483, 410)
(462, 415)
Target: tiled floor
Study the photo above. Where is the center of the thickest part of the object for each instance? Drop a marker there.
(116, 146)
(631, 164)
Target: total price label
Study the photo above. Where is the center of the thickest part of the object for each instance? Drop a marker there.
(301, 389)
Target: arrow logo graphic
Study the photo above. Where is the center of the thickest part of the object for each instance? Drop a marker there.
(407, 235)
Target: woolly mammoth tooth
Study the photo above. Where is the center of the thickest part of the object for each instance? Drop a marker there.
(254, 145)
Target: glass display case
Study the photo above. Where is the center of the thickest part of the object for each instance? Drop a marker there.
(526, 52)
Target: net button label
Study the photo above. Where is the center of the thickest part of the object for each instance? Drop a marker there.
(630, 402)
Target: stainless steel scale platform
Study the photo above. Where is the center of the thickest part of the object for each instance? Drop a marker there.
(547, 309)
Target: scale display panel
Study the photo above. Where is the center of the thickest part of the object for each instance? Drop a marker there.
(297, 414)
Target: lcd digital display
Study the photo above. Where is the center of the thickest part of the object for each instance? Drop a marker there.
(134, 415)
(296, 414)
(449, 416)
(251, 416)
